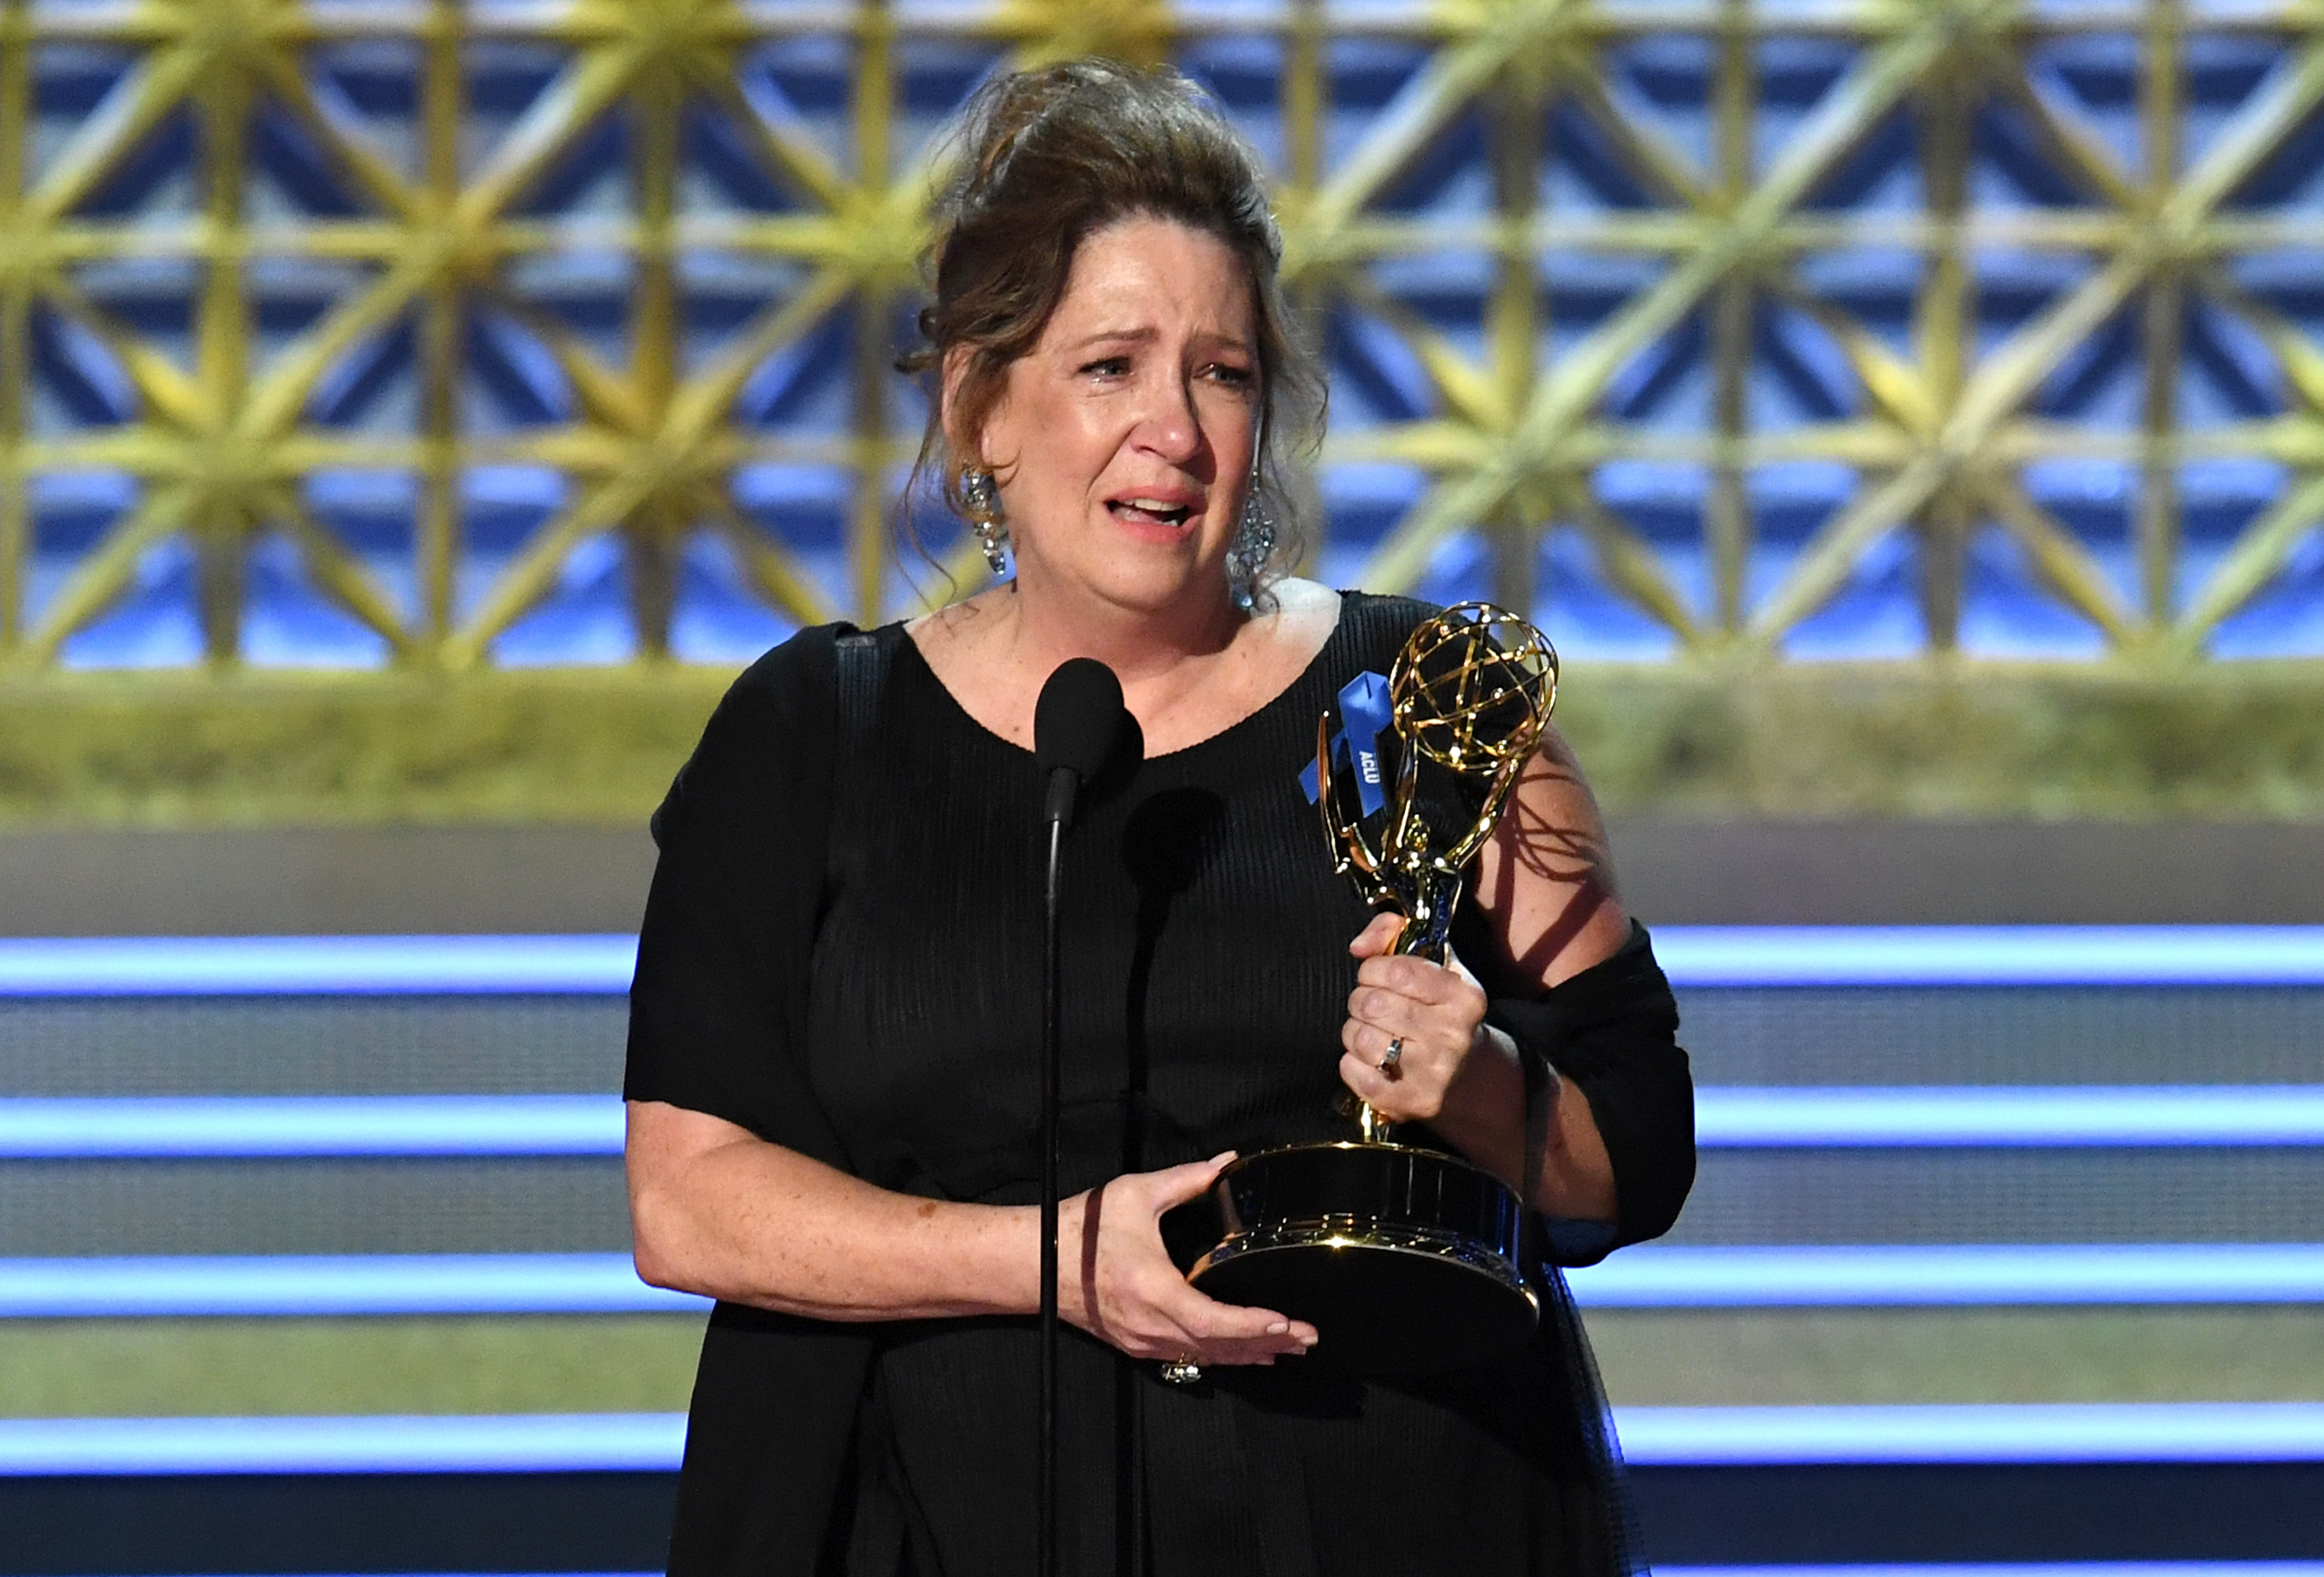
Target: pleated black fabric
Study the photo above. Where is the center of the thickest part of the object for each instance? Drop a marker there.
(879, 1008)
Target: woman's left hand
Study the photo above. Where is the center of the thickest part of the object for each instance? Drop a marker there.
(1434, 1015)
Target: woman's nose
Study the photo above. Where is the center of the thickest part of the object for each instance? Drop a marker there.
(1169, 426)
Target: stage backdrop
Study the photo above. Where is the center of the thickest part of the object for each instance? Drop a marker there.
(418, 407)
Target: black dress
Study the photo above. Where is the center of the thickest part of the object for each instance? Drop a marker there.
(841, 954)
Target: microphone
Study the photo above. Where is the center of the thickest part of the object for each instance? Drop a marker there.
(1075, 725)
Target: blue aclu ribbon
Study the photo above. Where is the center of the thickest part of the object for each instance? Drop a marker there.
(1364, 717)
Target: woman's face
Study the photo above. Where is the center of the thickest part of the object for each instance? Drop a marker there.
(1122, 440)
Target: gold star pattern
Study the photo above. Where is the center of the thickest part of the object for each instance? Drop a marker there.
(439, 235)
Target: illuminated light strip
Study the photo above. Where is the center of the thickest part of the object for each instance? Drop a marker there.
(1991, 955)
(652, 1443)
(1949, 1274)
(1726, 1117)
(538, 1443)
(171, 966)
(1693, 956)
(332, 1285)
(311, 1125)
(1640, 1277)
(2044, 1115)
(2057, 1569)
(2127, 1431)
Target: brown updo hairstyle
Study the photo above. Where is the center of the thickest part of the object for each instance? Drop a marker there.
(1043, 159)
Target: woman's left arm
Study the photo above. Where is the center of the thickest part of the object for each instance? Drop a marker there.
(1545, 885)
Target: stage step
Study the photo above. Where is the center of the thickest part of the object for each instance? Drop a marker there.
(1883, 1520)
(517, 1043)
(362, 1205)
(530, 1042)
(1723, 1487)
(465, 1204)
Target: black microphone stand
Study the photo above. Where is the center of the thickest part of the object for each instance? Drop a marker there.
(1059, 810)
(1076, 722)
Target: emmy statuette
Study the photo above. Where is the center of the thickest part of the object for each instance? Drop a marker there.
(1405, 1259)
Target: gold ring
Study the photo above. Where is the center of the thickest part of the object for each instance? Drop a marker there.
(1182, 1370)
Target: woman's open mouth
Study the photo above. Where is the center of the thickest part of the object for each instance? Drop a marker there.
(1150, 510)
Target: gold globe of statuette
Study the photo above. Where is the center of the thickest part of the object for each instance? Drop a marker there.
(1473, 687)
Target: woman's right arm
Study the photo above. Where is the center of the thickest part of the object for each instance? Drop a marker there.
(718, 1211)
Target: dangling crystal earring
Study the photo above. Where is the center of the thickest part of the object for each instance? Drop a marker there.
(1254, 540)
(981, 500)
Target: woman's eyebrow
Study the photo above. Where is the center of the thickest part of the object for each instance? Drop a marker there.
(1115, 336)
(1148, 336)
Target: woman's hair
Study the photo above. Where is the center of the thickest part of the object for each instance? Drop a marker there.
(1042, 160)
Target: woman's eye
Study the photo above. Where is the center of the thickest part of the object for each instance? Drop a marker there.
(1233, 377)
(1106, 367)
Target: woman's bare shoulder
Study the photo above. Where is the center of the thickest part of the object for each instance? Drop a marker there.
(1305, 614)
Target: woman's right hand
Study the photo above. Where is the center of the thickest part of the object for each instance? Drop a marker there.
(1116, 1282)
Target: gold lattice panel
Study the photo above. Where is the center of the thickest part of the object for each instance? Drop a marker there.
(382, 332)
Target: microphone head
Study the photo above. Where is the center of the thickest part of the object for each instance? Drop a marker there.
(1078, 717)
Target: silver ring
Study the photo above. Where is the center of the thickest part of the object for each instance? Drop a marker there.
(1392, 1055)
(1182, 1371)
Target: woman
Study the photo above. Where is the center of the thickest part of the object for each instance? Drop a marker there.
(833, 1050)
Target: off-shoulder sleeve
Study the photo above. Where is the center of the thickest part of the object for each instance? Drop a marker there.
(717, 1010)
(1612, 1030)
